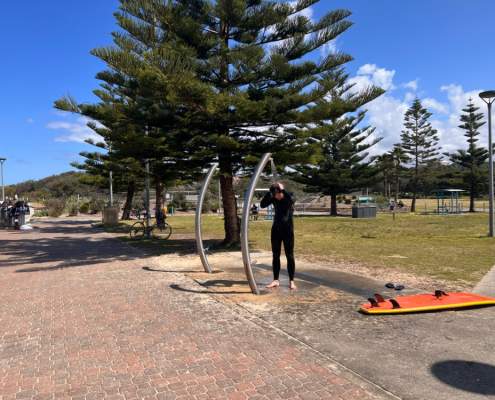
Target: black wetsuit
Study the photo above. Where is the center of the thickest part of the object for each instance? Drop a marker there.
(282, 231)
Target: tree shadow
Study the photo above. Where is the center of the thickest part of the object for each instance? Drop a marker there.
(470, 376)
(149, 269)
(63, 251)
(212, 284)
(61, 244)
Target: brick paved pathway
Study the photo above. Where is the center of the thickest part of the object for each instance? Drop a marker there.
(81, 319)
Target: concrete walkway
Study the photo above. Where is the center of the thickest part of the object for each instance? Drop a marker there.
(82, 317)
(447, 355)
(486, 286)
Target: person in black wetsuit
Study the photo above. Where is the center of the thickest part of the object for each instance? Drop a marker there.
(282, 231)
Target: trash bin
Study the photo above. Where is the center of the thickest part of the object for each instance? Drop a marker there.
(365, 211)
(110, 215)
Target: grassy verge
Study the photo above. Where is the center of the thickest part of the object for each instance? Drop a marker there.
(452, 248)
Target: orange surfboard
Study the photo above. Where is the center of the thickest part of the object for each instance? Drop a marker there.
(424, 302)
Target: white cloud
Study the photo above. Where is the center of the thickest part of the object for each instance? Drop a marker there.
(435, 105)
(386, 113)
(452, 137)
(329, 48)
(412, 85)
(370, 74)
(458, 98)
(77, 131)
(30, 120)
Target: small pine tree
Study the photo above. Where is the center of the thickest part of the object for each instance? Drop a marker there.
(344, 164)
(399, 160)
(471, 161)
(420, 143)
(385, 164)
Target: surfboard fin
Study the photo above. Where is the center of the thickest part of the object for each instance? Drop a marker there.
(440, 293)
(379, 298)
(373, 302)
(394, 303)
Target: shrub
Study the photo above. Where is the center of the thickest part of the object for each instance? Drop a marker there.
(96, 206)
(71, 206)
(41, 213)
(84, 208)
(55, 207)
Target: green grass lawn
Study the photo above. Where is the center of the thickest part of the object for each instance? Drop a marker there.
(453, 248)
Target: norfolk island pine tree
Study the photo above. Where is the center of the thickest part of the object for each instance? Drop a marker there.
(266, 92)
(419, 143)
(473, 159)
(140, 94)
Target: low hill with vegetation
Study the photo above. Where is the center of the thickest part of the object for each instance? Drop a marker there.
(59, 186)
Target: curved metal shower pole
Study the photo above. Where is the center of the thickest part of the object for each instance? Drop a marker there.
(246, 208)
(199, 209)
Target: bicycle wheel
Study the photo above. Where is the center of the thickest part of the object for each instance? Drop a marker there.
(137, 231)
(165, 230)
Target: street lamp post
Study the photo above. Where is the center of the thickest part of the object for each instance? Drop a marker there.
(489, 97)
(147, 187)
(111, 188)
(2, 160)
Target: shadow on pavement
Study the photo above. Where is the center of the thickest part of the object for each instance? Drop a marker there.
(181, 289)
(149, 269)
(474, 377)
(67, 244)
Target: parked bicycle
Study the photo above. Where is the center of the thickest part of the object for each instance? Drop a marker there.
(139, 230)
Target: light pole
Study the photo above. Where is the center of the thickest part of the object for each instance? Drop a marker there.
(2, 160)
(147, 187)
(111, 188)
(489, 97)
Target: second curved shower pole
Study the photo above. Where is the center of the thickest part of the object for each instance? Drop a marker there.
(199, 209)
(246, 208)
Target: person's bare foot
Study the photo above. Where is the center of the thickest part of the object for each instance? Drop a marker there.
(272, 285)
(292, 286)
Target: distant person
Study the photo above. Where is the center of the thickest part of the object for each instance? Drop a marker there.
(254, 212)
(400, 204)
(160, 216)
(282, 231)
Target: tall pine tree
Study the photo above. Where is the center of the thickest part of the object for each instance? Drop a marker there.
(472, 160)
(420, 143)
(265, 88)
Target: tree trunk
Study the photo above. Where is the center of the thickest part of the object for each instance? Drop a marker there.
(471, 196)
(231, 220)
(333, 205)
(158, 196)
(413, 203)
(131, 189)
(397, 184)
(416, 179)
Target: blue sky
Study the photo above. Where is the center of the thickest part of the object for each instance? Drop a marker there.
(438, 50)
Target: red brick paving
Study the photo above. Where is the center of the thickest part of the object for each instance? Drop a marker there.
(81, 319)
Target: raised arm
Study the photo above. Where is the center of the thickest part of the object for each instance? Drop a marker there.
(267, 200)
(290, 197)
